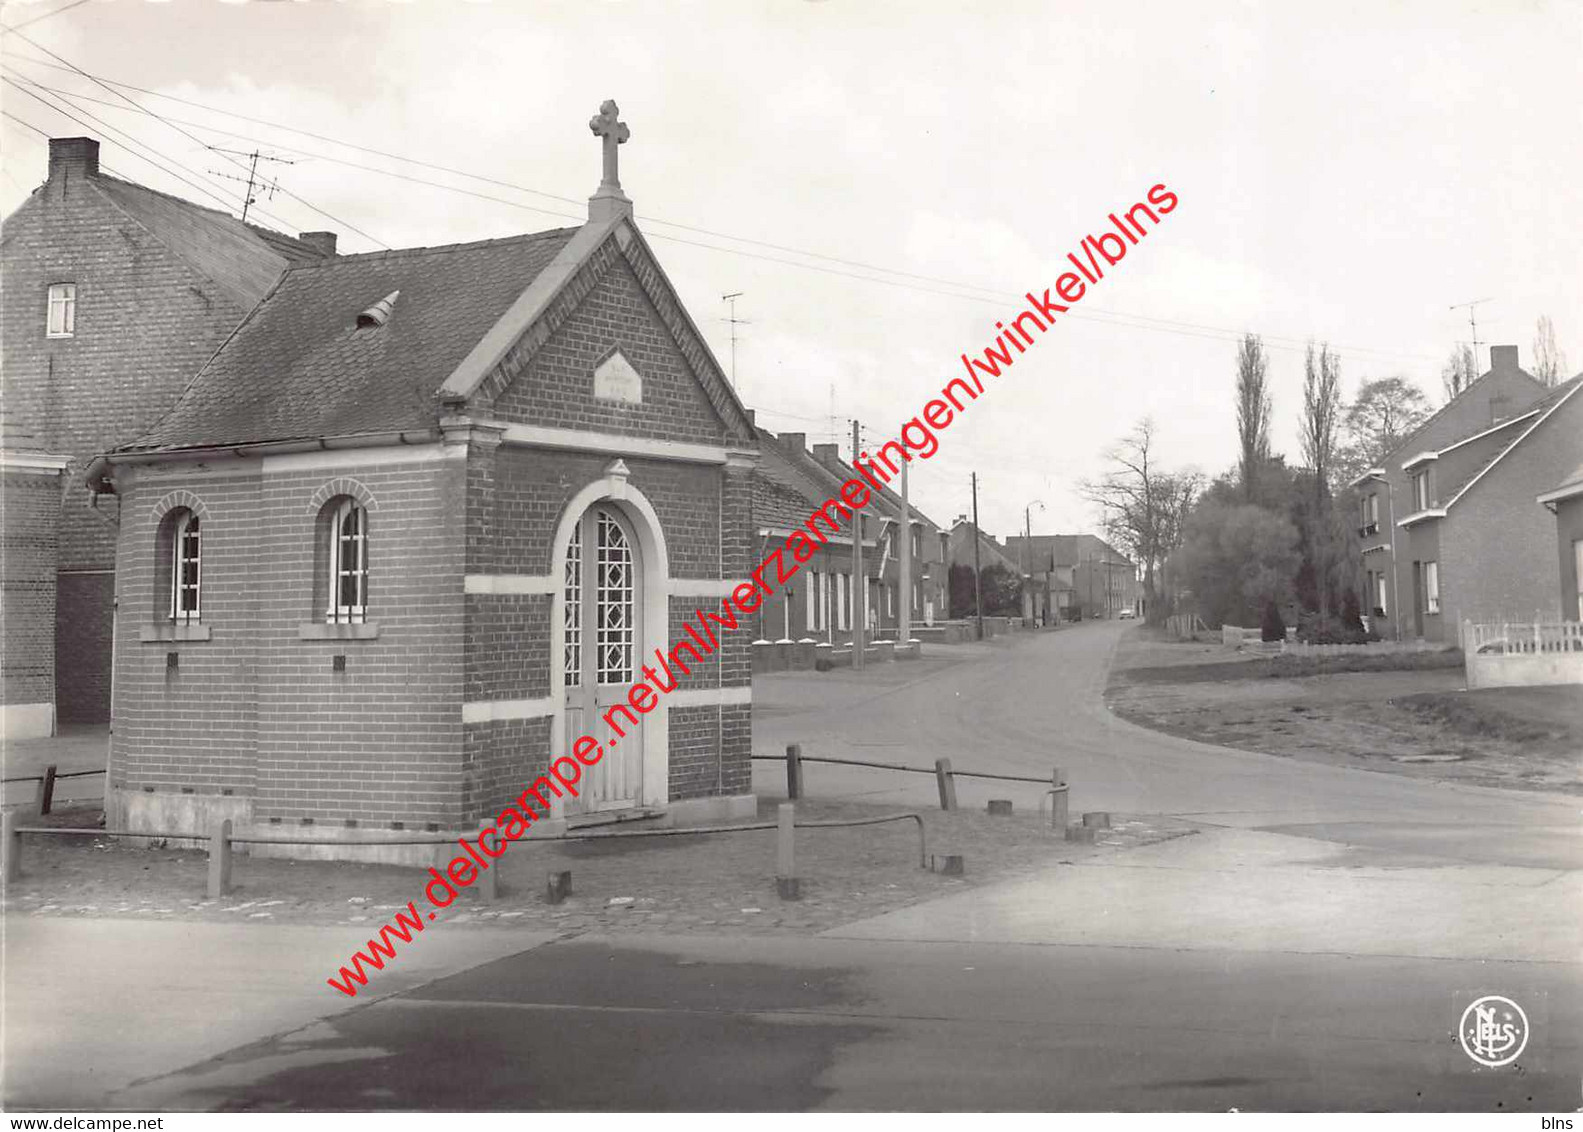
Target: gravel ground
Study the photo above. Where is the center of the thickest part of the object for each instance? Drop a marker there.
(1415, 722)
(683, 884)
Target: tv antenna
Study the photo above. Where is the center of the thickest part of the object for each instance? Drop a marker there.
(1474, 323)
(255, 185)
(732, 318)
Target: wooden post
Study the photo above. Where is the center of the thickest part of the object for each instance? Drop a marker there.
(489, 879)
(220, 859)
(794, 771)
(946, 782)
(46, 790)
(11, 846)
(1060, 805)
(786, 883)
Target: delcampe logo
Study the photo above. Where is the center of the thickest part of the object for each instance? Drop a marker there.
(1494, 1031)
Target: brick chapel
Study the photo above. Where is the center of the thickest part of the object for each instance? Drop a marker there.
(411, 529)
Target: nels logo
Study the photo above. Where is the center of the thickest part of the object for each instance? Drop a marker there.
(1494, 1031)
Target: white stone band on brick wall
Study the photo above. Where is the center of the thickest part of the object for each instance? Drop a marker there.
(709, 697)
(485, 711)
(547, 584)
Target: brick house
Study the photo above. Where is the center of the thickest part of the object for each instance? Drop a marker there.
(421, 522)
(1084, 576)
(113, 296)
(30, 495)
(1565, 501)
(1447, 522)
(788, 485)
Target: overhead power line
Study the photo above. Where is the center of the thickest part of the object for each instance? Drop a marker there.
(959, 290)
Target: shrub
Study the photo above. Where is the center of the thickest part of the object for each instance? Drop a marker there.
(1273, 628)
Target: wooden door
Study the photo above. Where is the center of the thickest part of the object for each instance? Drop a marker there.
(602, 641)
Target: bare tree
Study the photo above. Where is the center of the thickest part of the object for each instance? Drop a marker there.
(1459, 372)
(1321, 414)
(1549, 362)
(1145, 506)
(1253, 410)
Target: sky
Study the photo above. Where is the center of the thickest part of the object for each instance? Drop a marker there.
(882, 183)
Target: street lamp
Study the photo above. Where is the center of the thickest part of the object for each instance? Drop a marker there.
(1377, 475)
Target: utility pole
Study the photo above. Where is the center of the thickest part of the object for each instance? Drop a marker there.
(252, 175)
(1474, 323)
(735, 322)
(859, 581)
(904, 623)
(978, 589)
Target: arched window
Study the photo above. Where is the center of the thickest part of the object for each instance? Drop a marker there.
(185, 551)
(344, 537)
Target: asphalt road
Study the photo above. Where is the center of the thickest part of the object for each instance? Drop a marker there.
(1312, 946)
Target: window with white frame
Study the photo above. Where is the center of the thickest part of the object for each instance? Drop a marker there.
(1421, 491)
(1577, 574)
(842, 603)
(1381, 606)
(186, 567)
(61, 321)
(811, 602)
(1431, 587)
(347, 577)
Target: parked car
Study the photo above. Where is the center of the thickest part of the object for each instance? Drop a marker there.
(1127, 614)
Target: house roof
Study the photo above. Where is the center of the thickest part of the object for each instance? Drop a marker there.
(300, 367)
(1570, 487)
(1545, 408)
(987, 545)
(1406, 444)
(782, 495)
(244, 260)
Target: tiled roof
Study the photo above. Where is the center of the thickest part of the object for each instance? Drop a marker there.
(299, 367)
(242, 259)
(1545, 404)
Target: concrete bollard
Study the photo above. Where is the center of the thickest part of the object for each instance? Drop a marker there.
(1060, 800)
(45, 798)
(1097, 819)
(1081, 833)
(794, 771)
(489, 879)
(1000, 807)
(949, 865)
(786, 883)
(220, 859)
(10, 846)
(558, 886)
(947, 783)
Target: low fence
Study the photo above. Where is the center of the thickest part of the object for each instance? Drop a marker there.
(44, 799)
(1502, 654)
(221, 844)
(1056, 788)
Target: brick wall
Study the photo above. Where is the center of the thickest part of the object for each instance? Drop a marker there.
(28, 545)
(84, 636)
(260, 712)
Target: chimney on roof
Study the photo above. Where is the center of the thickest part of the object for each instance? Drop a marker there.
(827, 454)
(73, 156)
(1503, 359)
(794, 441)
(321, 242)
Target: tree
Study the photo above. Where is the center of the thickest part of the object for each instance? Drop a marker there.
(1321, 410)
(1549, 363)
(1236, 559)
(1459, 372)
(1386, 411)
(1253, 411)
(1144, 507)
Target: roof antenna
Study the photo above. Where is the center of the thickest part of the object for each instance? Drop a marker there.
(1474, 323)
(252, 178)
(735, 322)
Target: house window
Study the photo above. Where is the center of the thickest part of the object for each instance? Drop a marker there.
(1369, 515)
(1421, 491)
(61, 321)
(1431, 587)
(572, 610)
(346, 531)
(811, 613)
(841, 590)
(1381, 607)
(186, 572)
(917, 543)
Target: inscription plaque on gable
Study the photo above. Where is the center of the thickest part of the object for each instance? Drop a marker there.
(616, 380)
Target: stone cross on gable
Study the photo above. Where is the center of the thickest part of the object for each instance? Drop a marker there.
(613, 132)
